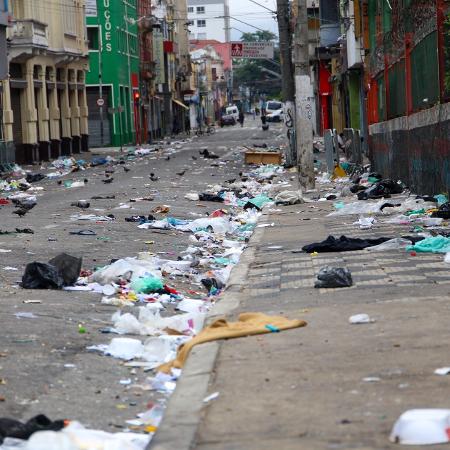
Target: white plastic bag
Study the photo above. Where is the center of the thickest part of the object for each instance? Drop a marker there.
(193, 196)
(392, 244)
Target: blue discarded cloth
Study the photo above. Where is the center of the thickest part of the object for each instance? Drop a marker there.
(434, 244)
(174, 222)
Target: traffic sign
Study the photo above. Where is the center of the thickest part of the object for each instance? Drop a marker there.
(100, 102)
(252, 50)
(236, 49)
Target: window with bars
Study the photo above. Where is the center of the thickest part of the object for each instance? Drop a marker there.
(201, 23)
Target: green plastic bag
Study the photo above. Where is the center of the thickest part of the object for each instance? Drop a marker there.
(260, 200)
(147, 285)
(435, 244)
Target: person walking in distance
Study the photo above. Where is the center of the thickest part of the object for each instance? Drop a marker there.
(241, 117)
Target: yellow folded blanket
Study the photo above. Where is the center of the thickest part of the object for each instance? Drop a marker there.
(249, 324)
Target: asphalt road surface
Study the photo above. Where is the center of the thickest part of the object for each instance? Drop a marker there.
(44, 364)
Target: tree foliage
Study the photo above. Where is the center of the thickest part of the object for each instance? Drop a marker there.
(259, 36)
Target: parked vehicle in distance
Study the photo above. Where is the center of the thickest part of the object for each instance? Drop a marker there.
(233, 111)
(227, 119)
(274, 111)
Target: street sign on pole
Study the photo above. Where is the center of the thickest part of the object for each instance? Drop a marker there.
(252, 50)
(100, 102)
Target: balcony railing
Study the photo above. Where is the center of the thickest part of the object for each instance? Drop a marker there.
(28, 32)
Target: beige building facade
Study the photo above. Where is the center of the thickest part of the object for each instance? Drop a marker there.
(44, 100)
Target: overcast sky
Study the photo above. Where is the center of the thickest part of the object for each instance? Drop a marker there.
(253, 14)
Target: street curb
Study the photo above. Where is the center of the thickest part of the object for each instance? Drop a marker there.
(178, 429)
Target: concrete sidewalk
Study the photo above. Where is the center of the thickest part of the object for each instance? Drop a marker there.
(330, 385)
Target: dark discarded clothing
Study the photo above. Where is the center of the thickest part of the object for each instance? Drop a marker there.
(103, 197)
(18, 231)
(342, 244)
(83, 233)
(10, 428)
(384, 188)
(443, 212)
(140, 219)
(63, 270)
(333, 277)
(34, 177)
(210, 198)
(389, 205)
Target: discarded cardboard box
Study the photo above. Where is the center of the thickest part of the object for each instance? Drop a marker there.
(254, 157)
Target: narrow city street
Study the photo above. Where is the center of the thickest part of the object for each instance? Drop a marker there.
(45, 367)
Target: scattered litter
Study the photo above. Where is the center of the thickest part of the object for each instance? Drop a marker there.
(25, 315)
(63, 270)
(192, 196)
(442, 371)
(360, 319)
(391, 244)
(211, 397)
(289, 198)
(365, 223)
(422, 427)
(333, 277)
(371, 379)
(434, 244)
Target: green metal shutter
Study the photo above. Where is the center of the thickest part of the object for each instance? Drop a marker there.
(397, 91)
(425, 73)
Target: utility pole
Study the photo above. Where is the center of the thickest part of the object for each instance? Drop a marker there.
(303, 100)
(287, 72)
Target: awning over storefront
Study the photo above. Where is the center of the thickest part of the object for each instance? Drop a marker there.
(180, 104)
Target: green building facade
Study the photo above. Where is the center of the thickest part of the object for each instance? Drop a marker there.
(113, 77)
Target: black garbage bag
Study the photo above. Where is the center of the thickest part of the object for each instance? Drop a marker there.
(210, 198)
(383, 188)
(14, 429)
(333, 277)
(69, 267)
(63, 270)
(443, 212)
(34, 177)
(42, 276)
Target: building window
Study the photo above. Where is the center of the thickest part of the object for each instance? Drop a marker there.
(190, 9)
(201, 36)
(201, 23)
(92, 35)
(200, 10)
(69, 19)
